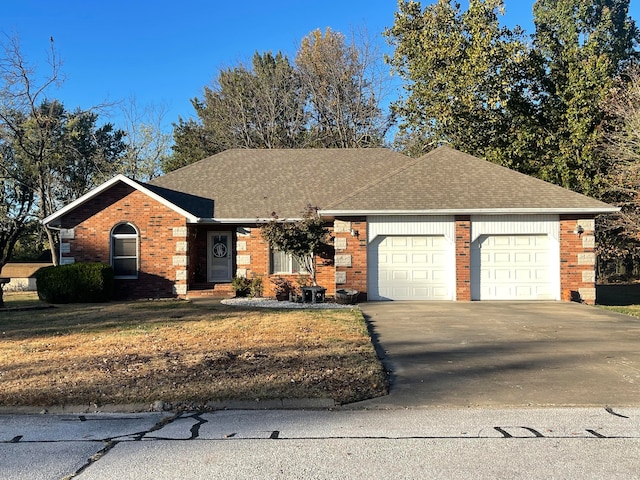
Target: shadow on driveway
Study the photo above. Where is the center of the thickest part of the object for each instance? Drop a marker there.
(505, 354)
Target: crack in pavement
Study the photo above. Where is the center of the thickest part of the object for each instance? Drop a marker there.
(110, 443)
(610, 410)
(507, 431)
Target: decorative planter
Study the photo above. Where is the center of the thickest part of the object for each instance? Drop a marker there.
(347, 297)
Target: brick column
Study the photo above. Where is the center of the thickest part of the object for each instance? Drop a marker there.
(577, 259)
(351, 254)
(463, 258)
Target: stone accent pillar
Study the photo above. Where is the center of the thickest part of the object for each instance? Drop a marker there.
(180, 260)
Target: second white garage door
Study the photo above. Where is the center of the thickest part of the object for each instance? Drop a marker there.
(411, 268)
(512, 267)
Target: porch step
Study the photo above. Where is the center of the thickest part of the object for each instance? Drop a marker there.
(221, 290)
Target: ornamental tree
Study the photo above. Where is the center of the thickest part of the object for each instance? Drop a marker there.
(303, 239)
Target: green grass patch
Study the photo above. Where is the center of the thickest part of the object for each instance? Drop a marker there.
(633, 310)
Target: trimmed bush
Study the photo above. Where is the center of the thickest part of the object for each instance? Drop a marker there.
(75, 283)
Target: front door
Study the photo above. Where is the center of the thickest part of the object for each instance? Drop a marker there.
(219, 257)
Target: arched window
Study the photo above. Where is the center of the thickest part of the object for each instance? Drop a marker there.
(124, 251)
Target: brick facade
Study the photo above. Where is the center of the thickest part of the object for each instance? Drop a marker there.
(350, 243)
(173, 255)
(577, 258)
(463, 258)
(162, 237)
(250, 245)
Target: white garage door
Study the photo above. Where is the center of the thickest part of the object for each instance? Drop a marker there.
(410, 268)
(512, 267)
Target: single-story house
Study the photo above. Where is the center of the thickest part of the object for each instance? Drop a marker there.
(446, 226)
(22, 275)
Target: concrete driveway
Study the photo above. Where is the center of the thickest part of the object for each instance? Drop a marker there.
(499, 354)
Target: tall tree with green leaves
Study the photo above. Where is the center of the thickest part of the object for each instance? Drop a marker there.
(580, 47)
(464, 74)
(58, 155)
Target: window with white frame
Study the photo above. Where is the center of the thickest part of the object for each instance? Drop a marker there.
(284, 263)
(124, 251)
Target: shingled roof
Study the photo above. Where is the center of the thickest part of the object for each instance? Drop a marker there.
(249, 184)
(448, 180)
(242, 185)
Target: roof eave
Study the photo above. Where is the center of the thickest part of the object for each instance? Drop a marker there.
(105, 186)
(238, 221)
(474, 211)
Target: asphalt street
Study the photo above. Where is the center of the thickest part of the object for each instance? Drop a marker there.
(348, 444)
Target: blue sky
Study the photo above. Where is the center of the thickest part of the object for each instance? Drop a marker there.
(166, 51)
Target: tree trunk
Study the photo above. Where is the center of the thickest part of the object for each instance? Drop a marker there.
(52, 246)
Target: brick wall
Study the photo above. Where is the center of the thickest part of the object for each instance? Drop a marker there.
(252, 260)
(351, 254)
(463, 258)
(162, 240)
(577, 259)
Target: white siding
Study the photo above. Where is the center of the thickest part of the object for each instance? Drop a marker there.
(411, 225)
(515, 225)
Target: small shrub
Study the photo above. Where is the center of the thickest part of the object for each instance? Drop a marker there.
(255, 287)
(241, 285)
(282, 288)
(75, 283)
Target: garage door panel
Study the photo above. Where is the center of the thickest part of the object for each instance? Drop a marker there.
(525, 258)
(412, 268)
(419, 241)
(398, 241)
(420, 275)
(438, 259)
(439, 276)
(512, 267)
(399, 259)
(399, 275)
(420, 259)
(502, 257)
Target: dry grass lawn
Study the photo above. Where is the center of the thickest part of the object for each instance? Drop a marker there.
(183, 353)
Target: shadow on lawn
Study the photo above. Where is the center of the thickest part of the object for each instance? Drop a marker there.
(97, 317)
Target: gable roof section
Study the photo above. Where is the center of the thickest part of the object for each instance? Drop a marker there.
(252, 184)
(153, 193)
(449, 181)
(242, 185)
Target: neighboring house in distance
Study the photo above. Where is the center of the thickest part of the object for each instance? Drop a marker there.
(446, 226)
(22, 275)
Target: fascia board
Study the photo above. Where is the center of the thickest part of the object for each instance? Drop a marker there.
(476, 211)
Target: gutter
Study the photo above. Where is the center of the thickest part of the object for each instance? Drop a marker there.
(477, 211)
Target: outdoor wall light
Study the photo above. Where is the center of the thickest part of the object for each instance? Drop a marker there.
(578, 230)
(355, 233)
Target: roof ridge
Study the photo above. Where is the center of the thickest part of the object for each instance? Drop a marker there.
(391, 174)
